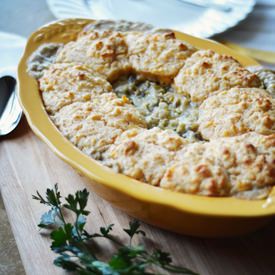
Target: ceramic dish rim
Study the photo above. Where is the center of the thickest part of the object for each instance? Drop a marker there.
(44, 128)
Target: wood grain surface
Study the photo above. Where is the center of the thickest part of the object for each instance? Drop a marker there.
(27, 165)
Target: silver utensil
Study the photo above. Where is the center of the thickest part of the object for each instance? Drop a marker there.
(209, 4)
(10, 110)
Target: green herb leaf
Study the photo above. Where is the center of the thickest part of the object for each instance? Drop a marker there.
(76, 252)
(66, 263)
(134, 229)
(52, 197)
(62, 236)
(104, 268)
(81, 222)
(50, 219)
(163, 258)
(105, 231)
(78, 202)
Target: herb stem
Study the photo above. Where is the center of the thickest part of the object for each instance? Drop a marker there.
(76, 251)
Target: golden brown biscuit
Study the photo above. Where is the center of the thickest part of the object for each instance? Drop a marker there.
(157, 56)
(196, 172)
(206, 72)
(235, 166)
(93, 126)
(249, 159)
(144, 154)
(106, 52)
(63, 84)
(83, 105)
(237, 111)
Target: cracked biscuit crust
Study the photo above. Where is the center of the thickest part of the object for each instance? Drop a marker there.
(157, 56)
(83, 105)
(93, 126)
(235, 112)
(241, 166)
(144, 154)
(195, 171)
(105, 52)
(206, 72)
(63, 84)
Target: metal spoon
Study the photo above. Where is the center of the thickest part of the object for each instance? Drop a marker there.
(10, 110)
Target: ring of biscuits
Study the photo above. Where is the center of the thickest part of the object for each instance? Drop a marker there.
(236, 156)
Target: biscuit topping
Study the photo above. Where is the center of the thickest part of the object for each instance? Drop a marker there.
(156, 109)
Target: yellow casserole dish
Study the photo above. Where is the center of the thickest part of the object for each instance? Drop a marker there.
(182, 213)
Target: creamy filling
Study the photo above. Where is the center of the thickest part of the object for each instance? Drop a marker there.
(42, 58)
(160, 105)
(118, 25)
(268, 79)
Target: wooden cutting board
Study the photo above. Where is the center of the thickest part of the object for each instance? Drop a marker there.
(27, 165)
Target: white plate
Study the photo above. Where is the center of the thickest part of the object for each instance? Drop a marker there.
(11, 49)
(172, 14)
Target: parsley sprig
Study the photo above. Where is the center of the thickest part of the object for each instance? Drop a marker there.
(74, 245)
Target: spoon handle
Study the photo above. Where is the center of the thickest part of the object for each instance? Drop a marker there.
(11, 112)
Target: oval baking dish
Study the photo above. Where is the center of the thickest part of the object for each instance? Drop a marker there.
(182, 213)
